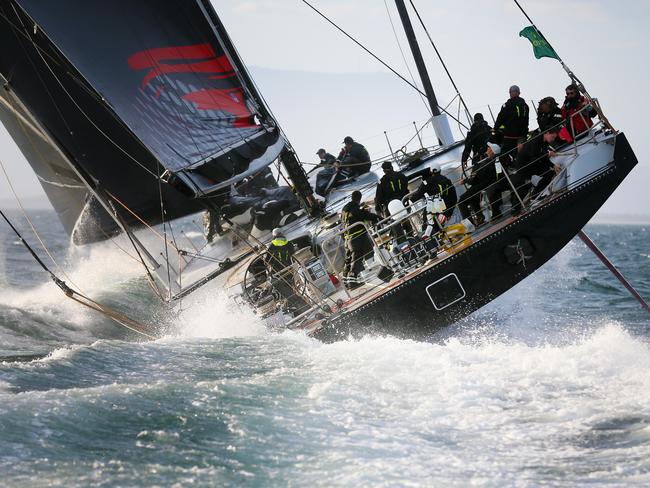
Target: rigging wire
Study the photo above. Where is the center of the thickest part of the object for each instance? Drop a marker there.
(574, 78)
(408, 68)
(376, 57)
(127, 231)
(138, 218)
(164, 224)
(79, 297)
(27, 35)
(441, 60)
(33, 227)
(81, 110)
(24, 124)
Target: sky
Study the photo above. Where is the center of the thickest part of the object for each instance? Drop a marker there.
(322, 87)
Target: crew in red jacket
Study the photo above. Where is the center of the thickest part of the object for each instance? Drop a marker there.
(577, 112)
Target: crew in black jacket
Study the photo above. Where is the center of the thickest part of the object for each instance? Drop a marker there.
(549, 114)
(358, 245)
(483, 176)
(392, 186)
(511, 126)
(476, 140)
(354, 159)
(435, 183)
(327, 160)
(278, 264)
(325, 179)
(534, 159)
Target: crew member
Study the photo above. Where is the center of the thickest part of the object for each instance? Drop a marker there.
(272, 204)
(326, 178)
(434, 183)
(511, 126)
(358, 245)
(211, 225)
(577, 112)
(534, 159)
(278, 263)
(327, 160)
(549, 114)
(392, 186)
(476, 140)
(353, 159)
(483, 176)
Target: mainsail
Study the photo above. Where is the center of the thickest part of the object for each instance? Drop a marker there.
(147, 100)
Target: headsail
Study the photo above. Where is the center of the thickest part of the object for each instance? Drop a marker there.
(162, 68)
(133, 92)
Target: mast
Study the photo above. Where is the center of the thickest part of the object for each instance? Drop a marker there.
(439, 120)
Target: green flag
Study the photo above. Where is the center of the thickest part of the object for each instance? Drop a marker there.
(541, 47)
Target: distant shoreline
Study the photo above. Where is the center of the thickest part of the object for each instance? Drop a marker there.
(620, 219)
(28, 203)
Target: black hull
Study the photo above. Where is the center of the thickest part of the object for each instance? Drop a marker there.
(487, 268)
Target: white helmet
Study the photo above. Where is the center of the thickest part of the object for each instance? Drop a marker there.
(277, 232)
(496, 149)
(435, 168)
(395, 207)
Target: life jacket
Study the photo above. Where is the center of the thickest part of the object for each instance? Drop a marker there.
(512, 120)
(351, 214)
(581, 122)
(280, 253)
(392, 186)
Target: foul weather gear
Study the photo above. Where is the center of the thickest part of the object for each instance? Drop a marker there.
(438, 184)
(358, 246)
(355, 161)
(512, 121)
(280, 252)
(392, 186)
(577, 119)
(476, 141)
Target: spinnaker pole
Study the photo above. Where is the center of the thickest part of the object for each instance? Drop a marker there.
(608, 264)
(439, 120)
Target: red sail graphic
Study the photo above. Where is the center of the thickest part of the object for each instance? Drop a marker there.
(231, 101)
(199, 58)
(155, 59)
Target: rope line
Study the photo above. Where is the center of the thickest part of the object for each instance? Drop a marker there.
(408, 68)
(80, 298)
(33, 227)
(377, 58)
(441, 60)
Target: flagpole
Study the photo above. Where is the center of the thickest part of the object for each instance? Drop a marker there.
(571, 74)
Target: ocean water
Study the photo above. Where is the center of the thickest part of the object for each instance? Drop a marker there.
(547, 386)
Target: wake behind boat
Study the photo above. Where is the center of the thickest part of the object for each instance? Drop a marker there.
(168, 123)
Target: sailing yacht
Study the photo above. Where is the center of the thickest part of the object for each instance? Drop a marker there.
(138, 117)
